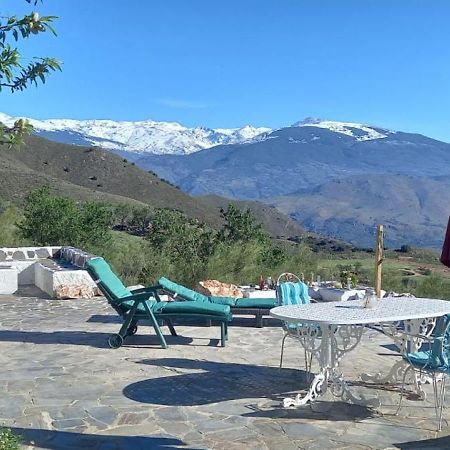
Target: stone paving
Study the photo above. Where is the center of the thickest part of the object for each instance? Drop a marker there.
(61, 387)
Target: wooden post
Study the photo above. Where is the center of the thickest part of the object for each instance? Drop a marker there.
(379, 259)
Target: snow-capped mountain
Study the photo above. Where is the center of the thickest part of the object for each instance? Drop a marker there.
(172, 138)
(359, 131)
(140, 137)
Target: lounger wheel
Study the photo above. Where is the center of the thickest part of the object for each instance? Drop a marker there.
(115, 341)
(132, 331)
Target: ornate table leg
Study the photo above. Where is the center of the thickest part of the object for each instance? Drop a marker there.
(328, 344)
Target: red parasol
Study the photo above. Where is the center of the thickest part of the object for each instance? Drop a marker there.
(445, 257)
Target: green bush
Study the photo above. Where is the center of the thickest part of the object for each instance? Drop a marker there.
(8, 440)
(52, 220)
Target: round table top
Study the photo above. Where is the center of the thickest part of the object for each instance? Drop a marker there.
(389, 309)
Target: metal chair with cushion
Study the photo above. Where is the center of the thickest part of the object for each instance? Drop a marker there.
(434, 362)
(292, 291)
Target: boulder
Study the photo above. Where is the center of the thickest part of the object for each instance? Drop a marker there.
(219, 289)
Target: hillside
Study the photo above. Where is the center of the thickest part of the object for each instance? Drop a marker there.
(317, 175)
(275, 222)
(88, 173)
(413, 209)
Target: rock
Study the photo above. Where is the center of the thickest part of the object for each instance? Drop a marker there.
(219, 289)
(76, 291)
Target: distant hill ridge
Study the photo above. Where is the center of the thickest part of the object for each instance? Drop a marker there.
(88, 173)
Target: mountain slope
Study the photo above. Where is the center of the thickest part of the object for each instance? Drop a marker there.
(413, 209)
(88, 173)
(311, 171)
(276, 223)
(297, 158)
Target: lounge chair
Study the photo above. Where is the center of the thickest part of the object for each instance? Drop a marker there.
(145, 304)
(258, 307)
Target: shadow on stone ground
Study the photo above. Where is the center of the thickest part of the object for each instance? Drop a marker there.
(213, 382)
(91, 339)
(63, 440)
(237, 321)
(320, 410)
(217, 382)
(441, 443)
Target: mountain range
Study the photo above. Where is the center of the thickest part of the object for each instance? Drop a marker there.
(335, 178)
(140, 137)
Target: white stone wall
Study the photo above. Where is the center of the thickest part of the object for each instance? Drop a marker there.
(31, 267)
(8, 280)
(64, 283)
(26, 253)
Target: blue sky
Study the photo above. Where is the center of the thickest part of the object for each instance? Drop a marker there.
(231, 63)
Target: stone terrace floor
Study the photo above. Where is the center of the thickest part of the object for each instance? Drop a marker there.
(61, 387)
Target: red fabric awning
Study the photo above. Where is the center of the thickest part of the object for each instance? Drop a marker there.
(445, 257)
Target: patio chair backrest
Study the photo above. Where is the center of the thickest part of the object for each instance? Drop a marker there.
(108, 282)
(291, 290)
(292, 293)
(184, 292)
(439, 356)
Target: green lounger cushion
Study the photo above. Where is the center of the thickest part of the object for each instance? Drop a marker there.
(245, 303)
(198, 308)
(109, 279)
(231, 301)
(182, 291)
(260, 303)
(187, 307)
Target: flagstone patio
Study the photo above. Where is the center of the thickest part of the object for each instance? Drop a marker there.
(61, 387)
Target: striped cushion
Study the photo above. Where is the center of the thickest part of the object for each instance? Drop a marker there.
(290, 293)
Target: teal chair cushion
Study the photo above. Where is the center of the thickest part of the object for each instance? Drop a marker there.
(182, 291)
(290, 293)
(260, 303)
(188, 307)
(102, 271)
(230, 301)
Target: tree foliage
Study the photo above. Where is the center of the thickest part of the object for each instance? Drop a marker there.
(240, 226)
(53, 220)
(186, 243)
(14, 74)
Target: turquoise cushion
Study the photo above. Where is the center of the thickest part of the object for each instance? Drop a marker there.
(261, 303)
(197, 308)
(182, 291)
(290, 293)
(222, 300)
(102, 271)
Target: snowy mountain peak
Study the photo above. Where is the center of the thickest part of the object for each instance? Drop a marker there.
(146, 136)
(356, 130)
(172, 138)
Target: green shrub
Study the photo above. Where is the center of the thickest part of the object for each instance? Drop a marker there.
(8, 440)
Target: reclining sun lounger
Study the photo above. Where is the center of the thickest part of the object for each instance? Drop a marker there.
(145, 304)
(258, 307)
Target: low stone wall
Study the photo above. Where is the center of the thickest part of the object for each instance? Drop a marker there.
(23, 259)
(26, 253)
(64, 283)
(58, 271)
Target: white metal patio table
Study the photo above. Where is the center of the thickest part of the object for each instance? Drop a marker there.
(330, 330)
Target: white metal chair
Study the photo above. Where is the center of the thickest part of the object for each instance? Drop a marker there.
(434, 362)
(292, 291)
